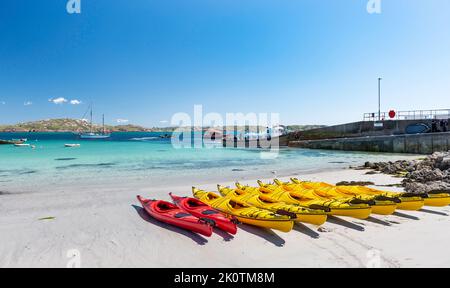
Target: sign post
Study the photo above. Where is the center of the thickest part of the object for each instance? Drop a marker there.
(379, 98)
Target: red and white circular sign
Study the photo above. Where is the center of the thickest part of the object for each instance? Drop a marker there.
(392, 114)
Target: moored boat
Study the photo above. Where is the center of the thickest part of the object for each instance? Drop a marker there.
(91, 134)
(22, 145)
(72, 145)
(10, 142)
(94, 136)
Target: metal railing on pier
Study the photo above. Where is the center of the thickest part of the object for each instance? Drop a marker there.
(409, 115)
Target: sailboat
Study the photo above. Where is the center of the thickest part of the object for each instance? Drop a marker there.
(92, 135)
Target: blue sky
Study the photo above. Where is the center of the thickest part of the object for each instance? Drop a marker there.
(312, 61)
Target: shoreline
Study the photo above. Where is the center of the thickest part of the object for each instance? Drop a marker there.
(105, 170)
(106, 225)
(241, 174)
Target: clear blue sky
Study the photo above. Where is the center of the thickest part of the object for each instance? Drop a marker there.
(313, 61)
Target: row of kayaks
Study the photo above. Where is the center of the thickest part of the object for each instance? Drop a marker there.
(279, 205)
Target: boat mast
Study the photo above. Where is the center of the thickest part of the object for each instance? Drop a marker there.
(103, 121)
(91, 118)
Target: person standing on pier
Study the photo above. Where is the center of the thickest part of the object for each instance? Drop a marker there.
(441, 125)
(269, 133)
(434, 126)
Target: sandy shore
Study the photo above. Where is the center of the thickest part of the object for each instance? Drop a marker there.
(108, 229)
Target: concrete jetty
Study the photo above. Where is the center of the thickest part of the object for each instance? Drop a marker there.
(414, 144)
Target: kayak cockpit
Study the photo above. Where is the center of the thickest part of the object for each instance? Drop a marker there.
(194, 203)
(165, 207)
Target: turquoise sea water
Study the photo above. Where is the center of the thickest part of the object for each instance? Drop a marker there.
(130, 156)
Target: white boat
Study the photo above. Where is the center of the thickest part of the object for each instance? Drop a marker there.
(20, 140)
(72, 145)
(22, 145)
(95, 136)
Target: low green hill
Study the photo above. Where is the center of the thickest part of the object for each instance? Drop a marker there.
(75, 125)
(66, 125)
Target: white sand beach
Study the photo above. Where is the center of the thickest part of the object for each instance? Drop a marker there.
(102, 101)
(107, 227)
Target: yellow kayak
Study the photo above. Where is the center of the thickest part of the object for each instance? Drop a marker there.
(308, 198)
(300, 214)
(380, 206)
(405, 201)
(437, 199)
(408, 201)
(245, 213)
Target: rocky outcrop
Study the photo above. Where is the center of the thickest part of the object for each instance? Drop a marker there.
(430, 174)
(419, 188)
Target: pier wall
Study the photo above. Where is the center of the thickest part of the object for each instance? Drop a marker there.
(414, 144)
(358, 129)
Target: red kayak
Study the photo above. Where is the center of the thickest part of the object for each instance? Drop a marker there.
(171, 214)
(201, 210)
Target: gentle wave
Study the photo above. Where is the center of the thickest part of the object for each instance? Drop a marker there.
(98, 165)
(13, 172)
(145, 139)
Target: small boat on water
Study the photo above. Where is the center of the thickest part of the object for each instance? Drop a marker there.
(72, 145)
(94, 136)
(91, 134)
(20, 140)
(10, 142)
(22, 145)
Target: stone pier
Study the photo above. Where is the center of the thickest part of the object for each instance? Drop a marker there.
(414, 144)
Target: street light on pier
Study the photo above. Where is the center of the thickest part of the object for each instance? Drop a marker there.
(379, 98)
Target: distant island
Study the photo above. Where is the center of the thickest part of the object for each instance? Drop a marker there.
(72, 125)
(76, 125)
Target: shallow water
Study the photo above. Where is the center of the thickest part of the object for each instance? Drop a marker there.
(131, 156)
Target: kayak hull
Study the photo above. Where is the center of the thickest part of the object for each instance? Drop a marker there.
(283, 226)
(438, 201)
(381, 209)
(358, 213)
(187, 222)
(410, 205)
(317, 220)
(220, 220)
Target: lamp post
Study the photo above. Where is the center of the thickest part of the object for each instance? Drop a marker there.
(379, 98)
